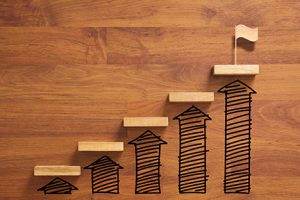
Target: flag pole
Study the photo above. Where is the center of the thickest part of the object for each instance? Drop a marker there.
(235, 56)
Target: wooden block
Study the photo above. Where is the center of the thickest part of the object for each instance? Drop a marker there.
(145, 121)
(57, 170)
(100, 146)
(236, 69)
(182, 97)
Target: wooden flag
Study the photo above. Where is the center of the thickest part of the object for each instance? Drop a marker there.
(242, 31)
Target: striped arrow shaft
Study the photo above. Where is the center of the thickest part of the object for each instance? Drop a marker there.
(148, 166)
(237, 141)
(192, 154)
(105, 180)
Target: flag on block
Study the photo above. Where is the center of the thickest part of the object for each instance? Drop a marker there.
(243, 31)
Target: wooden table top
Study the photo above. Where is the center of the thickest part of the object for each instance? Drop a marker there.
(72, 70)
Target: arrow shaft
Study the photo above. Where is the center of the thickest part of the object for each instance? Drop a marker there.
(105, 180)
(237, 135)
(192, 154)
(147, 168)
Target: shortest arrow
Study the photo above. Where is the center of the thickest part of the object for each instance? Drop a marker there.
(105, 175)
(58, 186)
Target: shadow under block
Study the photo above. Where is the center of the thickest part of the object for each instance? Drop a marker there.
(236, 69)
(146, 121)
(100, 146)
(187, 97)
(57, 170)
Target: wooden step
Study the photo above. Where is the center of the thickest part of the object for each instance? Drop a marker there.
(236, 70)
(186, 97)
(146, 121)
(57, 170)
(100, 146)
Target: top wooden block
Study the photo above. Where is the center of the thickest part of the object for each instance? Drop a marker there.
(236, 69)
(57, 170)
(182, 97)
(100, 146)
(146, 121)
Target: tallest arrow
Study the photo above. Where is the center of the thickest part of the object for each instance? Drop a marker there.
(237, 136)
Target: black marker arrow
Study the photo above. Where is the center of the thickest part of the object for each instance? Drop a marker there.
(237, 137)
(105, 175)
(192, 151)
(58, 186)
(147, 151)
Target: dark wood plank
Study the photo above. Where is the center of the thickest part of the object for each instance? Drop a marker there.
(149, 13)
(56, 88)
(52, 45)
(201, 46)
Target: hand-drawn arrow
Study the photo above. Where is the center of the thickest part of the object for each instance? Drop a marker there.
(105, 175)
(58, 186)
(147, 151)
(192, 151)
(237, 137)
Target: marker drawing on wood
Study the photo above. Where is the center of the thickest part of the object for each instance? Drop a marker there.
(105, 175)
(147, 152)
(58, 186)
(237, 137)
(192, 151)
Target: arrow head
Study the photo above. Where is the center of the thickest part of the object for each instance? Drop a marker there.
(196, 112)
(148, 137)
(237, 86)
(58, 182)
(104, 161)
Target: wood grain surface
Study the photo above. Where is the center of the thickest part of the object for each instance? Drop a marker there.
(72, 70)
